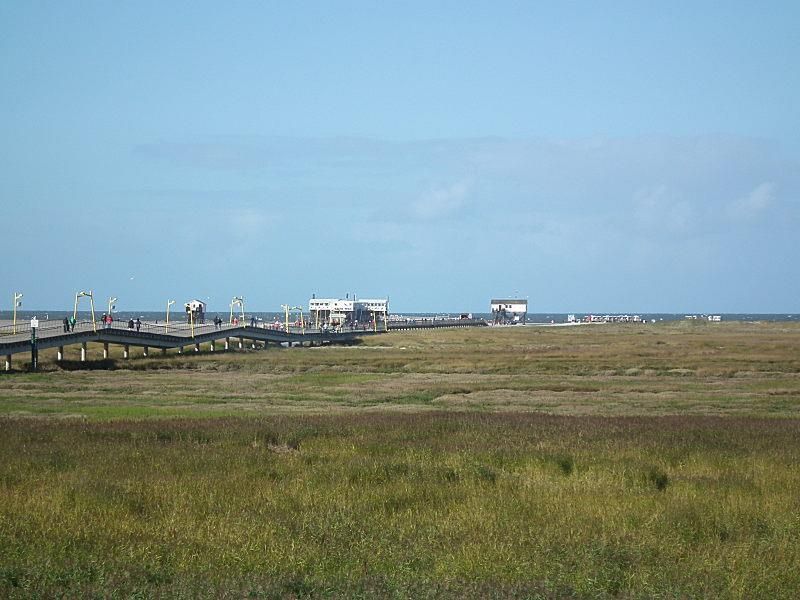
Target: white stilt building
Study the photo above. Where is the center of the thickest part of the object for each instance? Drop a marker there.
(337, 311)
(509, 310)
(195, 309)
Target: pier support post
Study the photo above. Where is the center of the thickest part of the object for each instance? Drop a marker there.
(145, 351)
(83, 351)
(180, 349)
(197, 347)
(105, 349)
(163, 352)
(227, 343)
(60, 355)
(241, 343)
(8, 362)
(213, 345)
(126, 351)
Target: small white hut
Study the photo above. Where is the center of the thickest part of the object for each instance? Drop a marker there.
(196, 309)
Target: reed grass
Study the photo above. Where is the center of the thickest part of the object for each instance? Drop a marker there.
(419, 505)
(590, 462)
(726, 369)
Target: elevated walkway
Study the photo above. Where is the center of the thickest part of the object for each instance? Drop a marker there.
(51, 334)
(162, 337)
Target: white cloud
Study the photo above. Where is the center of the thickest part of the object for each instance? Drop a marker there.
(755, 203)
(441, 201)
(660, 209)
(248, 222)
(248, 230)
(627, 218)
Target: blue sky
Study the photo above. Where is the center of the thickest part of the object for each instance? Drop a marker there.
(588, 156)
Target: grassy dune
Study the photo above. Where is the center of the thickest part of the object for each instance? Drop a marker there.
(589, 462)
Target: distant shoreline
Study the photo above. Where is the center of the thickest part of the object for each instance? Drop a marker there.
(533, 318)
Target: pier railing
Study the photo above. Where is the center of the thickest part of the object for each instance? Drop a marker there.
(52, 327)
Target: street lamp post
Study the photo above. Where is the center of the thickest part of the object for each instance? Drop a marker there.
(302, 321)
(17, 302)
(111, 307)
(237, 300)
(169, 303)
(286, 308)
(90, 295)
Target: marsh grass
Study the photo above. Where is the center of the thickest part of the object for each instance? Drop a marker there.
(676, 369)
(618, 461)
(658, 478)
(420, 505)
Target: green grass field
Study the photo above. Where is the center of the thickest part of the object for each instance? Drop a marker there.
(587, 462)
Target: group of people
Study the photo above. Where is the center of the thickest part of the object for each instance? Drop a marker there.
(69, 324)
(107, 320)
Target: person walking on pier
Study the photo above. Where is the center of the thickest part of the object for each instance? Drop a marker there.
(66, 324)
(72, 322)
(138, 324)
(130, 323)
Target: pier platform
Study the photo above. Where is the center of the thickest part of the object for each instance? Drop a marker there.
(185, 337)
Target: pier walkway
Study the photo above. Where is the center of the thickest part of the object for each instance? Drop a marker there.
(180, 336)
